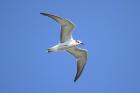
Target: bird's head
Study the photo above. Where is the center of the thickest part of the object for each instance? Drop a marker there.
(79, 42)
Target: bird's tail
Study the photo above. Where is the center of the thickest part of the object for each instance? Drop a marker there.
(50, 50)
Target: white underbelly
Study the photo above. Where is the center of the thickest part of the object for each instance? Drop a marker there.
(62, 46)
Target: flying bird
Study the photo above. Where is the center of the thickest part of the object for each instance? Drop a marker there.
(68, 44)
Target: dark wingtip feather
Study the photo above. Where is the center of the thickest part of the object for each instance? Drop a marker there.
(76, 78)
(43, 13)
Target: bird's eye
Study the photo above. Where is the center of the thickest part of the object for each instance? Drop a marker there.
(78, 41)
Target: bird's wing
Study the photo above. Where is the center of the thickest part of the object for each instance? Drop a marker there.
(66, 27)
(81, 56)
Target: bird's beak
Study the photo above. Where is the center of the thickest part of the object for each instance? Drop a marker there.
(82, 43)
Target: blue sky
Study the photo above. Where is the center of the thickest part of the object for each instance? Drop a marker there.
(110, 30)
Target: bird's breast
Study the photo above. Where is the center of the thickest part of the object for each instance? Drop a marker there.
(66, 45)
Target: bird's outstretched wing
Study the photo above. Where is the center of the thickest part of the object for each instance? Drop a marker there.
(81, 56)
(66, 27)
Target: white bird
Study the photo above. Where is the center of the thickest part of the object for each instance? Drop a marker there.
(68, 43)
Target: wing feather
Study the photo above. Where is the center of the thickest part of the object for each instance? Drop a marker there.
(81, 56)
(66, 27)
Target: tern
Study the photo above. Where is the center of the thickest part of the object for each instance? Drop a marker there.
(68, 44)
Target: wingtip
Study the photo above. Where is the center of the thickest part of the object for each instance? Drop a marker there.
(45, 14)
(42, 13)
(75, 79)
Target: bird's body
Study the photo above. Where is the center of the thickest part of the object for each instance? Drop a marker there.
(68, 44)
(63, 46)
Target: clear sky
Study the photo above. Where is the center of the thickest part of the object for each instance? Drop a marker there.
(110, 30)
